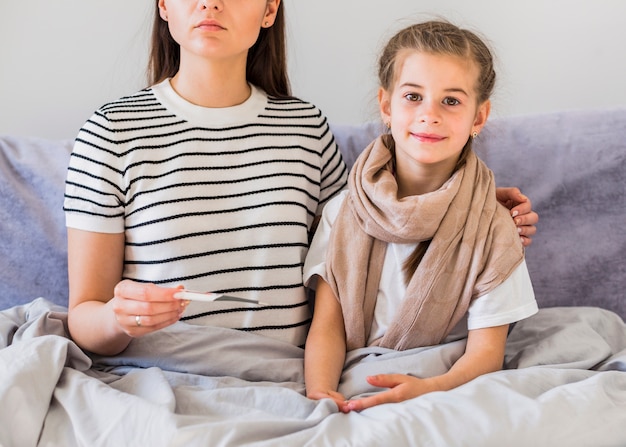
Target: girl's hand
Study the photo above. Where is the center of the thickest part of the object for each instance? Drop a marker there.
(484, 353)
(338, 398)
(143, 308)
(401, 387)
(521, 211)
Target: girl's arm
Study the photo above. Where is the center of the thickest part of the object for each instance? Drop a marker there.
(102, 310)
(484, 353)
(325, 350)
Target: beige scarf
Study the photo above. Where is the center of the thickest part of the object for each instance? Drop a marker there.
(474, 247)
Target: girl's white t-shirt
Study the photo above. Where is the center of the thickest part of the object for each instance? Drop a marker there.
(511, 301)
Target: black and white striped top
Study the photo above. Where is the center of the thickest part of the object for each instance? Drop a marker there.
(214, 199)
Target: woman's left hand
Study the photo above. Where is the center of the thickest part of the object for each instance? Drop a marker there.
(521, 211)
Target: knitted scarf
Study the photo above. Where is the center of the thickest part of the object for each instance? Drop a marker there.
(474, 247)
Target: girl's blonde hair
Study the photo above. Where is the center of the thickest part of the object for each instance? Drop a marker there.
(439, 37)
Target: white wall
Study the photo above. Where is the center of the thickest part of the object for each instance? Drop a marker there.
(61, 60)
(553, 54)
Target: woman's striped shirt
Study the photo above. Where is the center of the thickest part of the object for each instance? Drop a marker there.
(214, 199)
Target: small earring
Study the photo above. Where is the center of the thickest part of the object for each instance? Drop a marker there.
(474, 135)
(388, 124)
(266, 24)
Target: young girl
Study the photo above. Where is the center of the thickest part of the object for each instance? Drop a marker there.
(419, 243)
(209, 179)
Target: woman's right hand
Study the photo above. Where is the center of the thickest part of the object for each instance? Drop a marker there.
(106, 312)
(144, 308)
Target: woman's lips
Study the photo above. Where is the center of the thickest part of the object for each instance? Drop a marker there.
(211, 25)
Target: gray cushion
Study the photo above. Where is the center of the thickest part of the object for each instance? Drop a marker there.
(33, 246)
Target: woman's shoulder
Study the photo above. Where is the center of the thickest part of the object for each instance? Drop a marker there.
(122, 119)
(126, 112)
(134, 101)
(295, 106)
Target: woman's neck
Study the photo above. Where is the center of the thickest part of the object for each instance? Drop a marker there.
(210, 84)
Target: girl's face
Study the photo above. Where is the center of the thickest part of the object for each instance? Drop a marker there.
(217, 29)
(433, 109)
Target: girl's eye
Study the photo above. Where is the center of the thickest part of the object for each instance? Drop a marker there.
(412, 97)
(451, 102)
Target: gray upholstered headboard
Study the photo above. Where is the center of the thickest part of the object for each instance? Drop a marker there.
(571, 164)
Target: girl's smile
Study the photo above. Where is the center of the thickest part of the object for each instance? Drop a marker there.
(428, 137)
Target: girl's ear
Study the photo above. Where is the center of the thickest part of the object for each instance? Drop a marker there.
(482, 114)
(270, 12)
(384, 104)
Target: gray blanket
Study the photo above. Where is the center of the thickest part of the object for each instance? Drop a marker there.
(564, 385)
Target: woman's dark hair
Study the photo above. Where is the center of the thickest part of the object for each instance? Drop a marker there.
(267, 59)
